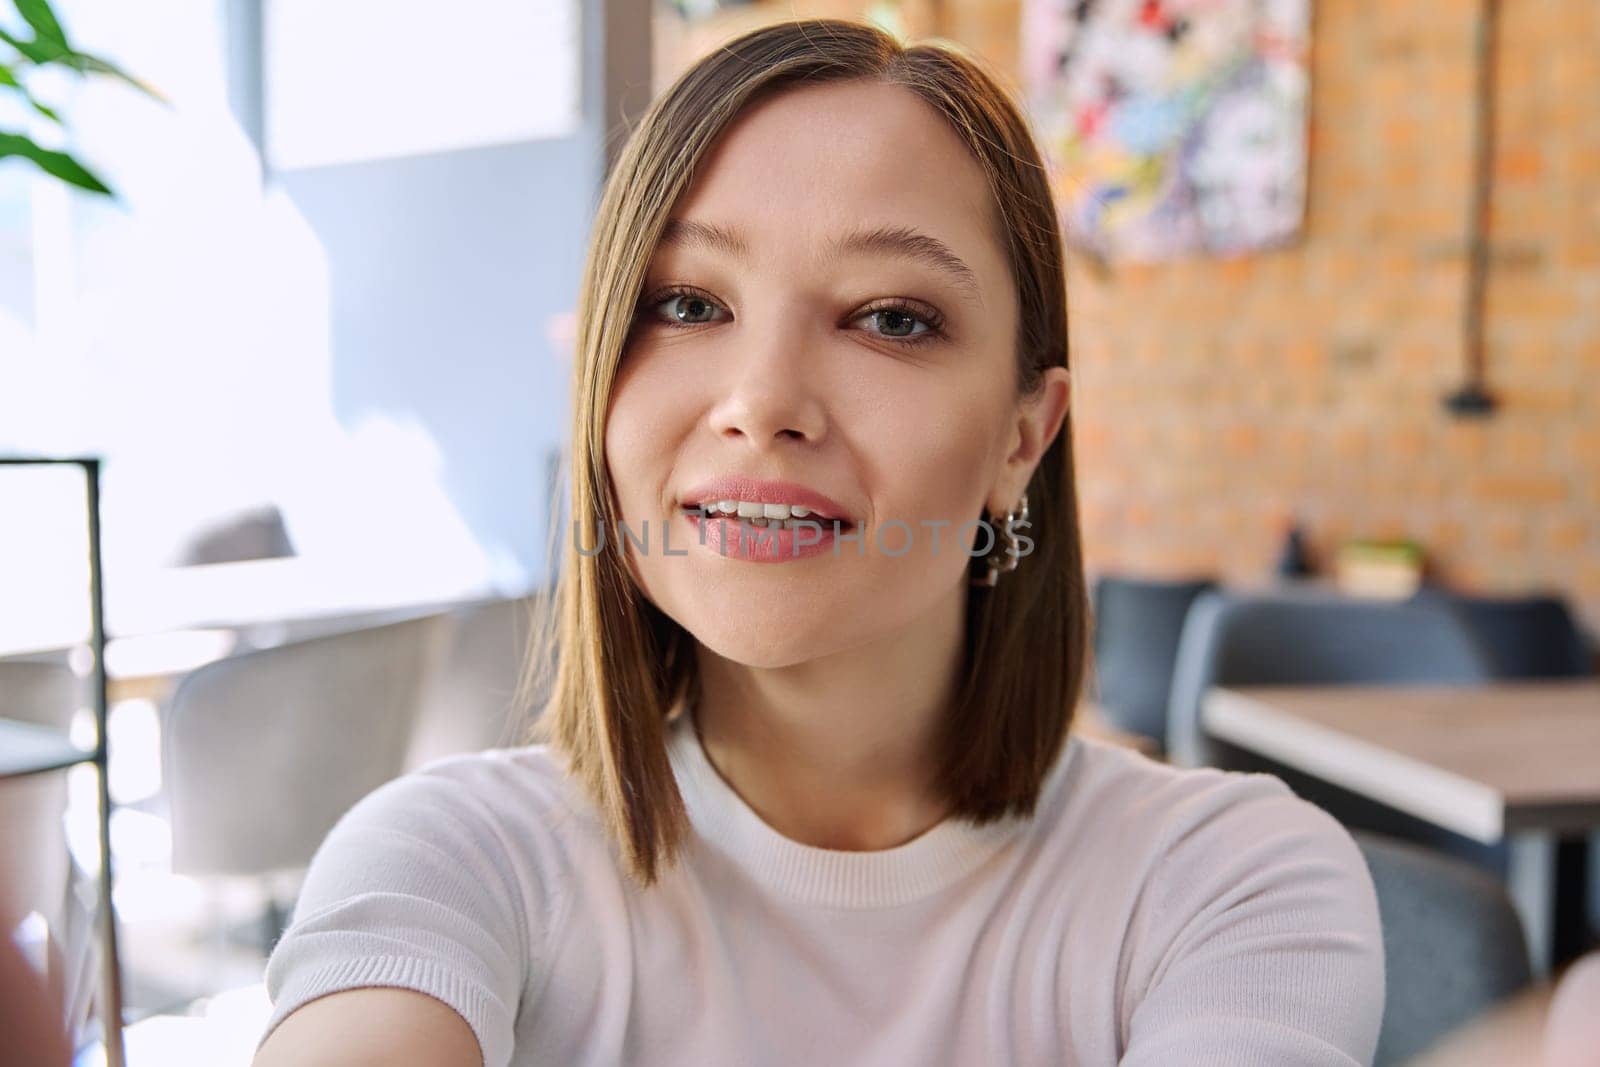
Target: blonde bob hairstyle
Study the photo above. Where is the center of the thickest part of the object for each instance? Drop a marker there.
(613, 668)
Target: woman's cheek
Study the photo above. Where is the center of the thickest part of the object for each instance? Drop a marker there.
(647, 418)
(940, 468)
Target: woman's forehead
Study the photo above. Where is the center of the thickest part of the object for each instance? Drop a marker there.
(848, 149)
(852, 166)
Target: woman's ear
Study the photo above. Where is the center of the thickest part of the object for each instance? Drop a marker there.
(1038, 419)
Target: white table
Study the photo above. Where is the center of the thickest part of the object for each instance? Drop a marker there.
(226, 596)
(1518, 762)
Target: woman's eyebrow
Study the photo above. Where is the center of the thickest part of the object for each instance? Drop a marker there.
(902, 241)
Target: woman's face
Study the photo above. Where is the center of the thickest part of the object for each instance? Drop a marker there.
(773, 345)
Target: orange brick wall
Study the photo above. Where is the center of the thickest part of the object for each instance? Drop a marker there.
(1215, 397)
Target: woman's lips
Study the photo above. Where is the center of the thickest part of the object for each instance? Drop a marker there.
(730, 536)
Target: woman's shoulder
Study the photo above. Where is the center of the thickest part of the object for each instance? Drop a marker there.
(509, 810)
(516, 802)
(510, 818)
(1104, 787)
(452, 879)
(1177, 840)
(534, 776)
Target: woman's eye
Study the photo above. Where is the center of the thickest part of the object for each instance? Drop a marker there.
(898, 323)
(686, 309)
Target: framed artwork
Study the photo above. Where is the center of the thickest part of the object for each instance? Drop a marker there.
(1173, 127)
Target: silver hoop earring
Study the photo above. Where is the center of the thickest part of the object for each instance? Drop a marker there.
(1005, 561)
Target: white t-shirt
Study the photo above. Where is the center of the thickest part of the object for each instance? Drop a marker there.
(1145, 916)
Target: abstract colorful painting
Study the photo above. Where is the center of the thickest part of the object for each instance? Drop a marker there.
(1172, 127)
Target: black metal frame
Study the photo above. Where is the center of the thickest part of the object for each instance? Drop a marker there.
(111, 972)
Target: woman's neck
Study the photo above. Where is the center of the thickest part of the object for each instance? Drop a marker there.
(838, 752)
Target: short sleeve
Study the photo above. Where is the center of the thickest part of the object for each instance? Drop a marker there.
(1261, 939)
(412, 889)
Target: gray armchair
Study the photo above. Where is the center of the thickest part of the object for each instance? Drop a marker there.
(1137, 624)
(469, 703)
(1452, 944)
(1309, 637)
(264, 751)
(1317, 637)
(1525, 636)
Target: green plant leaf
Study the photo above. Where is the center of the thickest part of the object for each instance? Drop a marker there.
(43, 50)
(39, 51)
(43, 20)
(57, 164)
(89, 64)
(9, 80)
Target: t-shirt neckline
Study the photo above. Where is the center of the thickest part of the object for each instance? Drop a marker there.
(934, 860)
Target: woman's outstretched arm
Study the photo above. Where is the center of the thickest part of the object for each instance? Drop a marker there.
(411, 934)
(372, 1027)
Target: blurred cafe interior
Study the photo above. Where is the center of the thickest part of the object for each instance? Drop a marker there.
(287, 296)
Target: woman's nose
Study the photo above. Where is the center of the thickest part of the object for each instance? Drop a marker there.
(769, 393)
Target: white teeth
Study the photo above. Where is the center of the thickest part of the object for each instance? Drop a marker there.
(762, 514)
(787, 524)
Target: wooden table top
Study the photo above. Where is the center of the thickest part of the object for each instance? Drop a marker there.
(1481, 760)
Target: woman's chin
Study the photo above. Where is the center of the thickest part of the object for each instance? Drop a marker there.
(767, 642)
